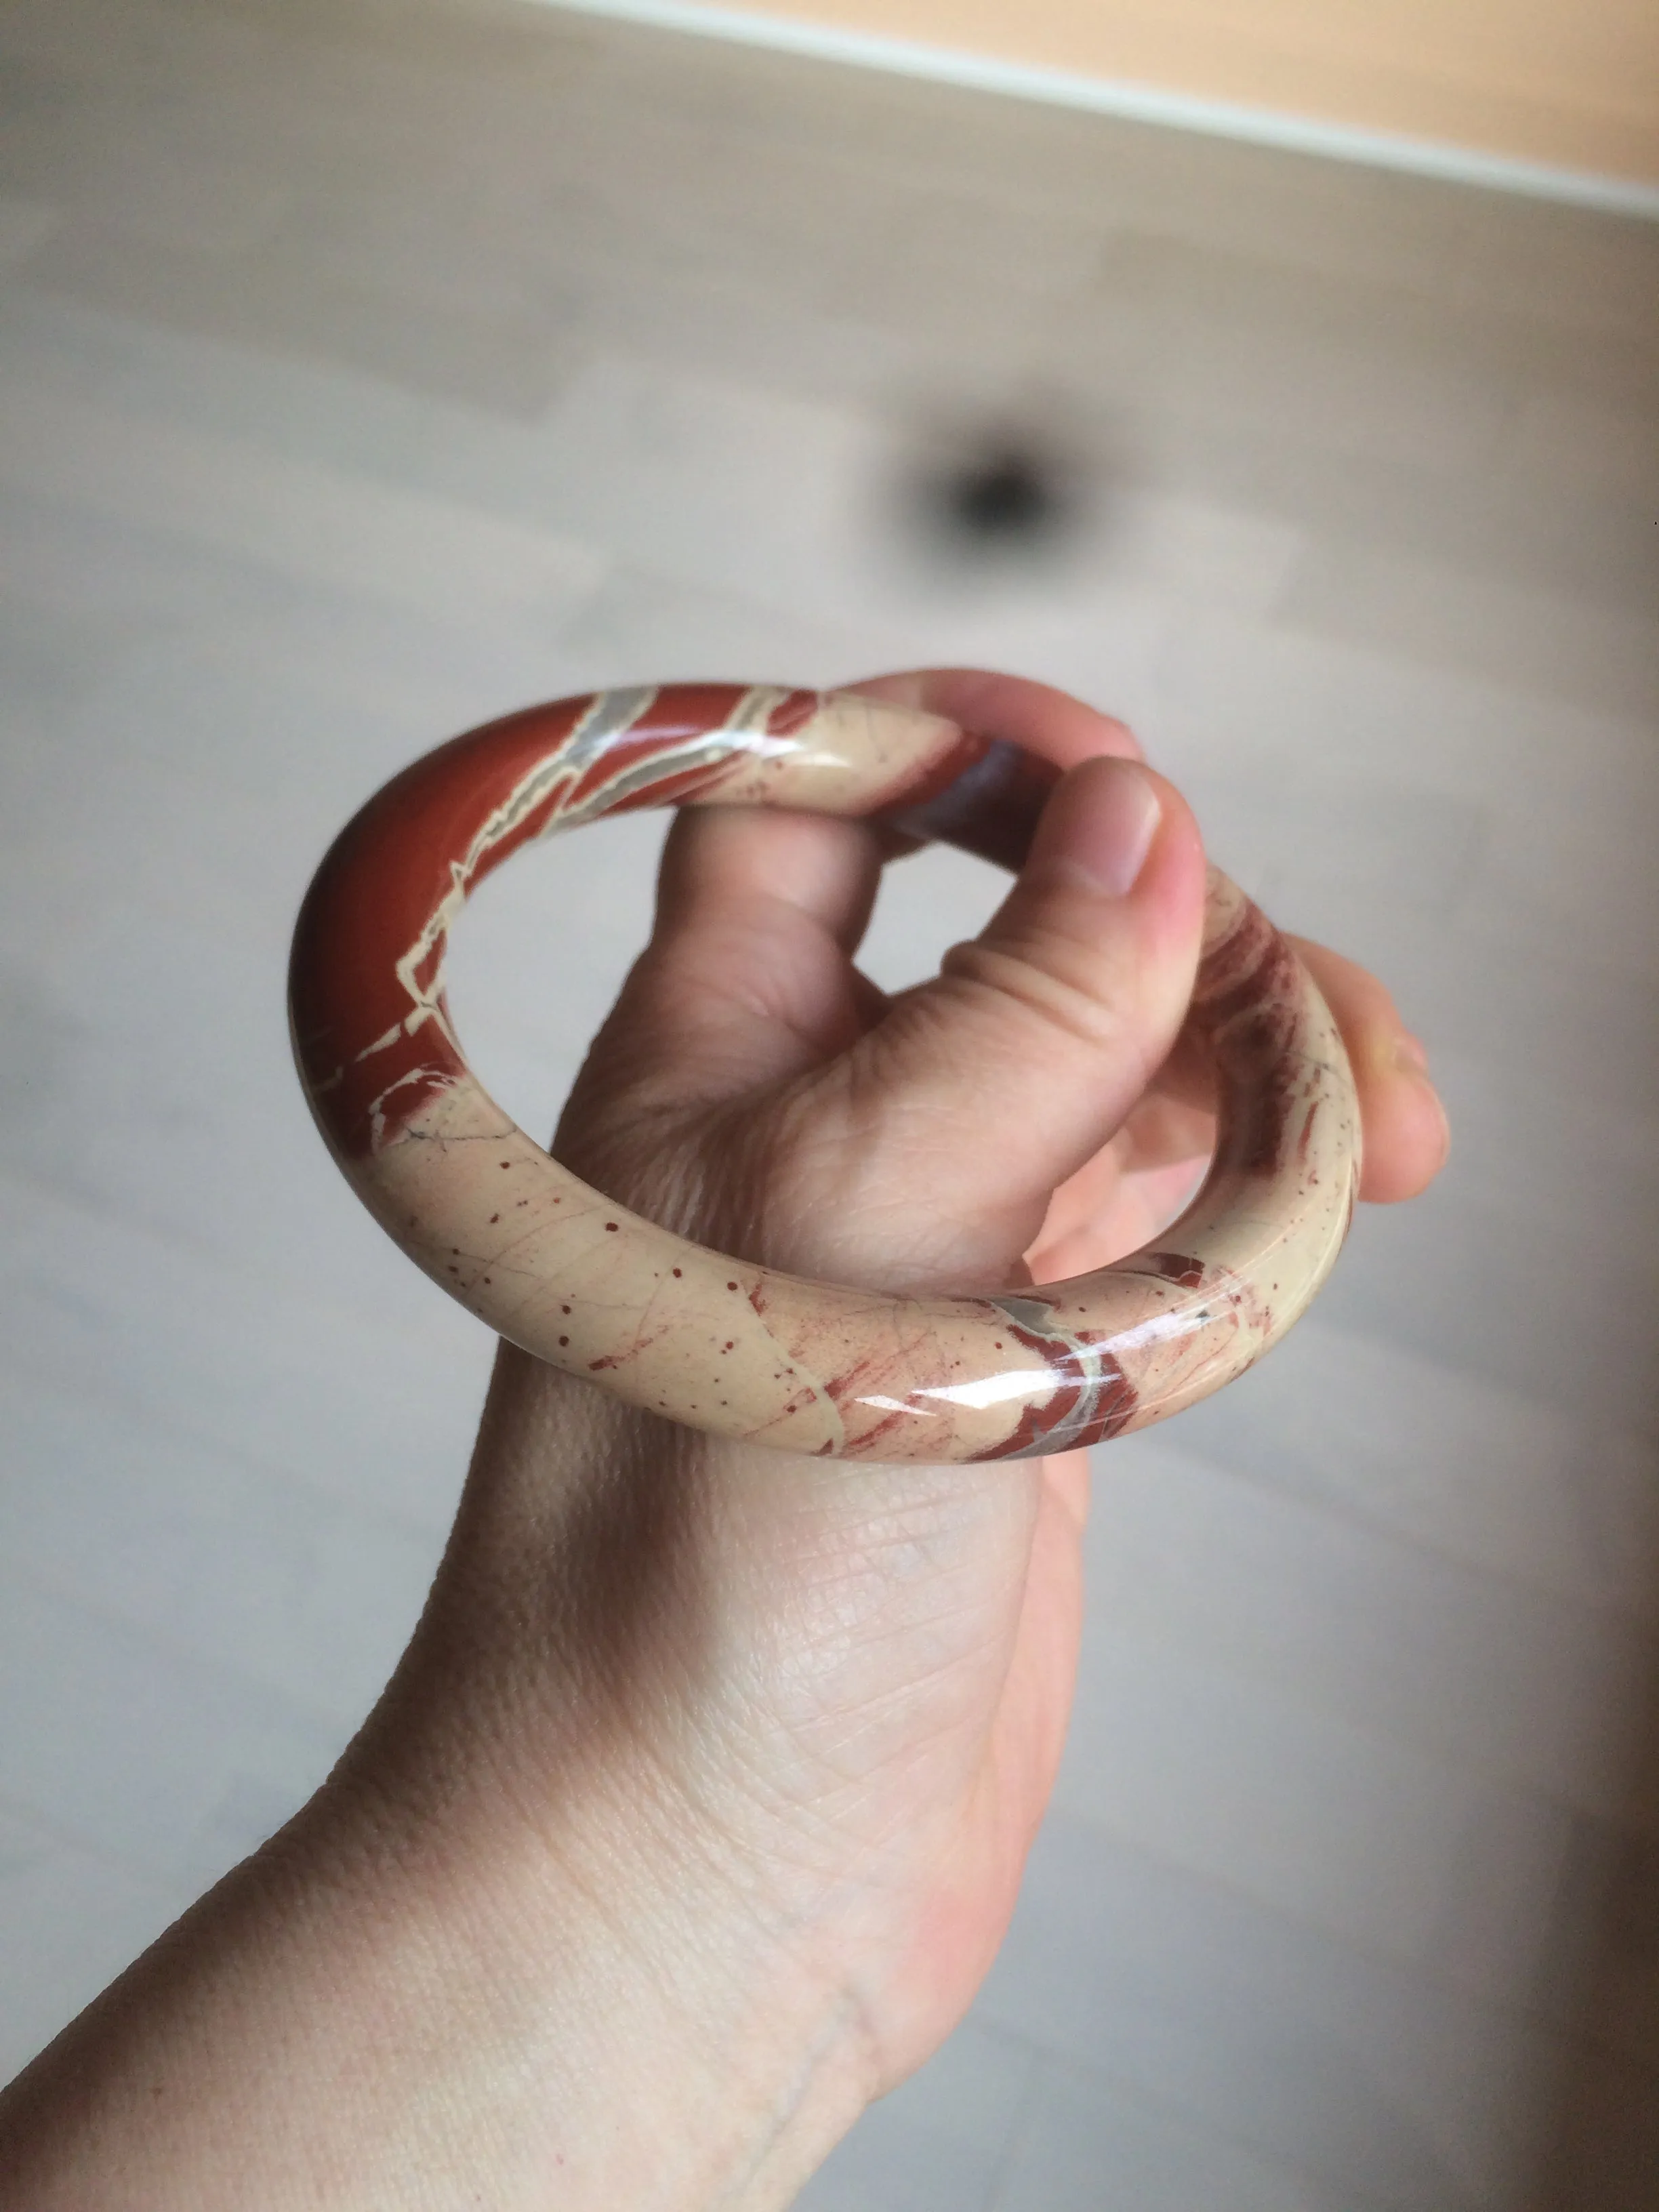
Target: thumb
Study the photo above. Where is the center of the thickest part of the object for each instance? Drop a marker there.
(1018, 1062)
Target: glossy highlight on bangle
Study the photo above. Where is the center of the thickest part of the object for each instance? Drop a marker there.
(721, 1344)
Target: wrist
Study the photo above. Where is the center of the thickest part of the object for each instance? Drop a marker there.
(511, 1948)
(369, 2013)
(559, 1768)
(608, 2020)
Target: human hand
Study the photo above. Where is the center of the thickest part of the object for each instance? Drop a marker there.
(852, 1682)
(697, 1808)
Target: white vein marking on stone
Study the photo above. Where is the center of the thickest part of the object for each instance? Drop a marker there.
(387, 1038)
(377, 1109)
(1094, 1367)
(743, 730)
(754, 709)
(608, 715)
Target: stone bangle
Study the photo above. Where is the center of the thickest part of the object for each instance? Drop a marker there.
(721, 1344)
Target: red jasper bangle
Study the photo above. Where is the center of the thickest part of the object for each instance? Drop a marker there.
(729, 1346)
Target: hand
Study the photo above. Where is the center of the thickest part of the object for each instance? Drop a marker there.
(852, 1682)
(708, 1779)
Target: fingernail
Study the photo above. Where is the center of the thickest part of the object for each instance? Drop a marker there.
(1103, 827)
(1410, 1059)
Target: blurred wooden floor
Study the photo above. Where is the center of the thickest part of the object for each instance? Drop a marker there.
(369, 368)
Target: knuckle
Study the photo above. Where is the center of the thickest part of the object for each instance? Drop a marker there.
(1041, 994)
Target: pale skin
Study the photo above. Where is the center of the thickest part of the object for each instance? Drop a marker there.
(697, 1808)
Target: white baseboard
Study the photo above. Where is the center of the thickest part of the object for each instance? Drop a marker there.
(1139, 103)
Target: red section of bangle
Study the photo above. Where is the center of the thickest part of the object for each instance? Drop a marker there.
(371, 1034)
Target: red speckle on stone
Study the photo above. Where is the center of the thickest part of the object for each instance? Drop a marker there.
(1305, 1140)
